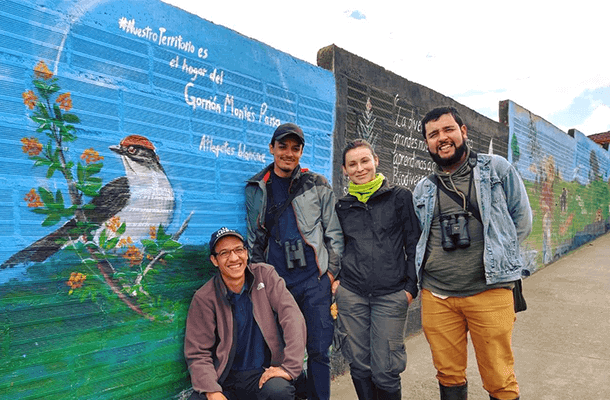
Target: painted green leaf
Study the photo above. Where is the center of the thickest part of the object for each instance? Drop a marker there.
(41, 161)
(42, 87)
(171, 245)
(94, 168)
(59, 198)
(94, 180)
(103, 238)
(57, 113)
(38, 120)
(80, 173)
(121, 229)
(111, 244)
(51, 220)
(41, 211)
(89, 190)
(45, 195)
(51, 171)
(71, 118)
(54, 87)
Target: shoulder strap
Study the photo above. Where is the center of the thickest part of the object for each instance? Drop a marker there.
(472, 208)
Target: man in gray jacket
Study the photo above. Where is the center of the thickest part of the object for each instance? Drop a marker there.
(473, 213)
(245, 335)
(292, 225)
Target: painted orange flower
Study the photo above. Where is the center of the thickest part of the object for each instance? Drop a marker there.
(42, 71)
(31, 146)
(134, 255)
(65, 101)
(33, 199)
(113, 223)
(124, 242)
(153, 232)
(76, 281)
(29, 99)
(90, 155)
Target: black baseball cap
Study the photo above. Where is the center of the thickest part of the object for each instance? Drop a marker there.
(288, 129)
(222, 232)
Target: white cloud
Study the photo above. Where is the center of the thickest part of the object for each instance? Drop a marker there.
(597, 122)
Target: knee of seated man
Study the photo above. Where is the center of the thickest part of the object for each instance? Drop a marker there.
(277, 389)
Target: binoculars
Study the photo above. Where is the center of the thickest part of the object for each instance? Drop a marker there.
(295, 254)
(454, 231)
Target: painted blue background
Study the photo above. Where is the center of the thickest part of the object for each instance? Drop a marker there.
(54, 345)
(122, 84)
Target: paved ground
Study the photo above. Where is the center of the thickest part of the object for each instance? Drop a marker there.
(561, 343)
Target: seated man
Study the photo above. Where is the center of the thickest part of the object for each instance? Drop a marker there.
(245, 334)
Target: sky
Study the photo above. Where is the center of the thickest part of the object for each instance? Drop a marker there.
(551, 58)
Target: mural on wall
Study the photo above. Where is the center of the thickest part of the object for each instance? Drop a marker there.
(127, 140)
(568, 180)
(125, 219)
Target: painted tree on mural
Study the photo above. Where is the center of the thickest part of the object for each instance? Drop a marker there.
(534, 147)
(594, 164)
(105, 231)
(514, 146)
(366, 124)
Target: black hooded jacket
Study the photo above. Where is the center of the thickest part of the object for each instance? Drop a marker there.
(380, 238)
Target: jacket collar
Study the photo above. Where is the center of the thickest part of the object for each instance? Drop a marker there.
(264, 175)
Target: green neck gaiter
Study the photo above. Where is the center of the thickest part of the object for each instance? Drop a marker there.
(365, 191)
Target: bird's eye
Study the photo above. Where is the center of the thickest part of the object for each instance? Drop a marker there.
(131, 150)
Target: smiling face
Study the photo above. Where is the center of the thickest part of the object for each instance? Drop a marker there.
(231, 258)
(360, 165)
(446, 142)
(286, 155)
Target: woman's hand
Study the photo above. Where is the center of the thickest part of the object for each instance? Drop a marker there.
(334, 286)
(409, 297)
(333, 283)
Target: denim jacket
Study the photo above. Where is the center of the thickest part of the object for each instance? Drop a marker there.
(505, 211)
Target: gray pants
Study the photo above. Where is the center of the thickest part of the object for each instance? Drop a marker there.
(373, 330)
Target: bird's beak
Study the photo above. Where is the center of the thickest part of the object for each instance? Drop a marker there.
(117, 149)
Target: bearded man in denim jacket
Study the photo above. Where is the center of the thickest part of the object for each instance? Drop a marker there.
(473, 213)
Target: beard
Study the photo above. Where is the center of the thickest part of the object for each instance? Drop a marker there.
(455, 158)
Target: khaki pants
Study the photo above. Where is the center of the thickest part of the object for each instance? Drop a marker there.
(489, 316)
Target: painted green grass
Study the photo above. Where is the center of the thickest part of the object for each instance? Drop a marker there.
(586, 204)
(59, 346)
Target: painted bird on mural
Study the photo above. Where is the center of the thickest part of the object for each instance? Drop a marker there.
(141, 199)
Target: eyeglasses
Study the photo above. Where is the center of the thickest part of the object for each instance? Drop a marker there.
(224, 254)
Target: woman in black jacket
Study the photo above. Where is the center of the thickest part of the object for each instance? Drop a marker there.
(377, 281)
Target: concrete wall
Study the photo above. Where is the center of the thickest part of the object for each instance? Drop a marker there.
(386, 109)
(107, 320)
(567, 177)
